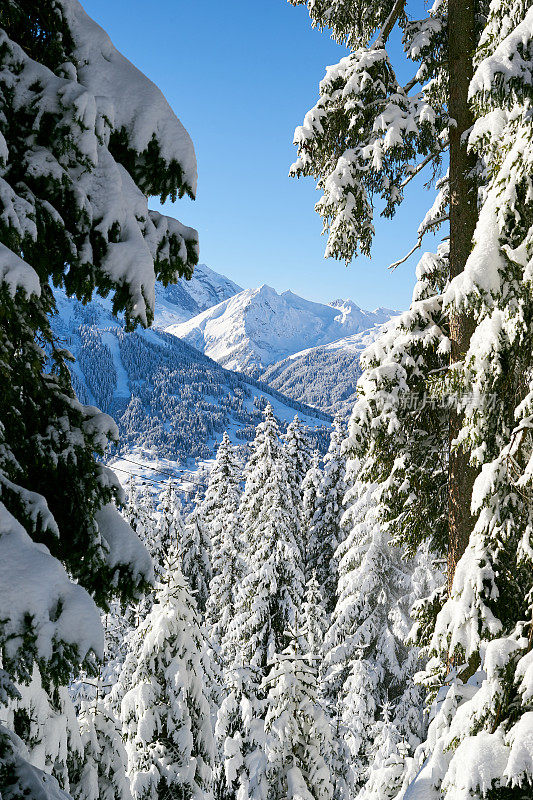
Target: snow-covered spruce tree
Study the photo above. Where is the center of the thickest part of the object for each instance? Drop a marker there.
(167, 533)
(47, 724)
(240, 736)
(139, 511)
(367, 665)
(120, 621)
(308, 503)
(266, 605)
(368, 137)
(315, 619)
(220, 512)
(388, 760)
(481, 729)
(272, 589)
(298, 734)
(195, 553)
(326, 531)
(298, 459)
(223, 487)
(400, 423)
(84, 139)
(102, 766)
(297, 454)
(165, 713)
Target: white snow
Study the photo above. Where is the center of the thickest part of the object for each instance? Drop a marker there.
(124, 545)
(356, 343)
(477, 764)
(133, 100)
(123, 386)
(35, 585)
(507, 61)
(17, 274)
(180, 301)
(520, 765)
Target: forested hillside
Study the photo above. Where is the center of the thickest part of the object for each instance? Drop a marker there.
(325, 377)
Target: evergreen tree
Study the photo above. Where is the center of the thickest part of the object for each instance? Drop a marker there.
(223, 487)
(139, 510)
(166, 714)
(308, 506)
(476, 325)
(103, 766)
(220, 608)
(326, 530)
(369, 136)
(47, 724)
(271, 591)
(84, 140)
(298, 735)
(240, 735)
(367, 663)
(315, 619)
(195, 553)
(120, 621)
(220, 511)
(388, 757)
(168, 533)
(298, 460)
(298, 456)
(266, 605)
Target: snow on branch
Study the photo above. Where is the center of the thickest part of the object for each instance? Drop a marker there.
(37, 591)
(17, 274)
(125, 549)
(135, 103)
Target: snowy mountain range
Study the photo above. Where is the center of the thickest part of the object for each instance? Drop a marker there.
(259, 327)
(167, 398)
(175, 388)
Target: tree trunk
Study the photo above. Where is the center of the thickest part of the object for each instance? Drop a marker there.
(463, 217)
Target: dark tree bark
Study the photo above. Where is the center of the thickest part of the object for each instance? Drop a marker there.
(463, 216)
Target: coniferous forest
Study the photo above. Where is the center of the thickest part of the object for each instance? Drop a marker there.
(330, 617)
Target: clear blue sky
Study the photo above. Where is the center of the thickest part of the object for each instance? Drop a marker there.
(240, 75)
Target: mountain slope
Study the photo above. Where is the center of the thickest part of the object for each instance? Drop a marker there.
(325, 376)
(167, 398)
(259, 327)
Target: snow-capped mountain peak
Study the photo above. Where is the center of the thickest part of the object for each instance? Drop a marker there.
(349, 310)
(258, 327)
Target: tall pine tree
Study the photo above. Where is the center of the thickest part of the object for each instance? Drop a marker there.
(166, 714)
(298, 460)
(195, 552)
(298, 734)
(465, 340)
(367, 664)
(326, 531)
(272, 589)
(220, 511)
(266, 605)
